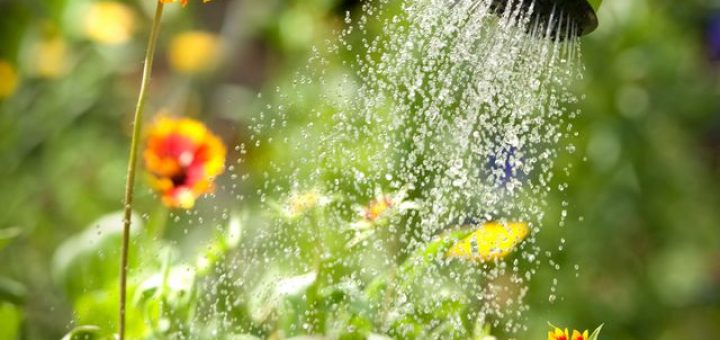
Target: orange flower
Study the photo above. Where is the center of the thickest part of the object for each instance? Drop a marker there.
(183, 2)
(183, 158)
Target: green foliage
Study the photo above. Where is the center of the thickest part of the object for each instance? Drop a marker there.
(11, 317)
(8, 234)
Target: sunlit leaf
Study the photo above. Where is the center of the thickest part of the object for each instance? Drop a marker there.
(596, 333)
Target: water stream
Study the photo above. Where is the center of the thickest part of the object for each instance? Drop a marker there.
(450, 115)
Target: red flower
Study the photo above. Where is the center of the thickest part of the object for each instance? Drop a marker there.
(183, 158)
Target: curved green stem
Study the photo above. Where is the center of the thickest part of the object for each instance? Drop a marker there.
(130, 183)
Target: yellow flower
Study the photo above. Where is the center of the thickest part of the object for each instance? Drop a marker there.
(558, 334)
(8, 79)
(109, 22)
(183, 2)
(194, 52)
(183, 158)
(300, 203)
(49, 57)
(490, 242)
(576, 335)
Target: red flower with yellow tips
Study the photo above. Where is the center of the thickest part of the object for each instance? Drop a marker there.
(183, 158)
(576, 335)
(558, 334)
(182, 2)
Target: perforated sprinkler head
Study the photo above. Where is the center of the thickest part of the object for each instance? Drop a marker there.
(559, 14)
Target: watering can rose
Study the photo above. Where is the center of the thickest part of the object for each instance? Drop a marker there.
(183, 158)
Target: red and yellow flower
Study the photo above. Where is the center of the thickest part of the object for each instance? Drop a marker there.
(558, 334)
(562, 334)
(576, 335)
(183, 158)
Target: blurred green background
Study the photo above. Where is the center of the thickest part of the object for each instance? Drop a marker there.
(641, 247)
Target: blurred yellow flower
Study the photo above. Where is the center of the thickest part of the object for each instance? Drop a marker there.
(490, 242)
(183, 2)
(109, 22)
(194, 52)
(183, 158)
(558, 334)
(49, 57)
(8, 79)
(300, 203)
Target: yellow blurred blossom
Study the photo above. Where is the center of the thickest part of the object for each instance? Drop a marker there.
(194, 52)
(109, 22)
(49, 57)
(300, 203)
(490, 242)
(8, 79)
(183, 157)
(183, 2)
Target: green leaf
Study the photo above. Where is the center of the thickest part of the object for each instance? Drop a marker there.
(269, 294)
(8, 234)
(221, 244)
(89, 260)
(596, 333)
(12, 291)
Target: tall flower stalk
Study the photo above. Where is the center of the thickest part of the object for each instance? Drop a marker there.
(132, 163)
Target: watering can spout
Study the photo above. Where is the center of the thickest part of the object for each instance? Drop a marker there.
(581, 13)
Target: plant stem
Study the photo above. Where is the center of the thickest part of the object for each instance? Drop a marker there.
(130, 183)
